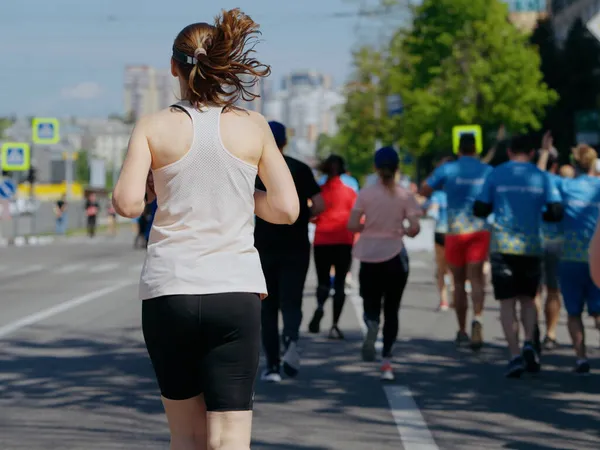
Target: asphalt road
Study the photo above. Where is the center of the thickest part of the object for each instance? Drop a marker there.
(74, 373)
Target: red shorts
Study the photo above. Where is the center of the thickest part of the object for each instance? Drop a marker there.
(462, 249)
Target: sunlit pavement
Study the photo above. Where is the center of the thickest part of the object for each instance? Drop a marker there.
(74, 373)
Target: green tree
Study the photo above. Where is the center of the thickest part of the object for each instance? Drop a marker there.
(363, 119)
(82, 168)
(463, 62)
(5, 122)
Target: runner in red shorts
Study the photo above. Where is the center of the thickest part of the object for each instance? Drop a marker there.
(468, 239)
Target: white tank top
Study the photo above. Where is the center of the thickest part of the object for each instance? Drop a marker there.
(202, 238)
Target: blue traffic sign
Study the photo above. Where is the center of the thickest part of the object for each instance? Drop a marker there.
(7, 189)
(45, 131)
(395, 105)
(16, 156)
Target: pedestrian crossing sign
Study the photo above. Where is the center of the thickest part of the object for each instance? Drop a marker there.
(475, 130)
(45, 131)
(16, 156)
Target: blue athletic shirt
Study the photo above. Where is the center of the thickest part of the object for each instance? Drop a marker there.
(462, 180)
(518, 192)
(552, 231)
(581, 200)
(440, 199)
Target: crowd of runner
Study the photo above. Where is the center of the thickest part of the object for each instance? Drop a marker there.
(534, 222)
(229, 244)
(527, 222)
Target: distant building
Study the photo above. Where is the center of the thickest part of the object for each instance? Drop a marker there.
(148, 90)
(566, 12)
(261, 88)
(308, 106)
(524, 14)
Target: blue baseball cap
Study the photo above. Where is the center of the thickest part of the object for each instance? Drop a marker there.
(279, 133)
(386, 157)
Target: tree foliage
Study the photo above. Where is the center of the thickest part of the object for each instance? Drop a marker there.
(572, 70)
(460, 62)
(82, 167)
(464, 63)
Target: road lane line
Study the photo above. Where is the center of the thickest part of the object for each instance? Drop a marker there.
(25, 270)
(419, 264)
(100, 268)
(61, 307)
(409, 421)
(69, 268)
(411, 425)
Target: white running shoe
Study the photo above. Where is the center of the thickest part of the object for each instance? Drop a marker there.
(291, 360)
(387, 372)
(271, 375)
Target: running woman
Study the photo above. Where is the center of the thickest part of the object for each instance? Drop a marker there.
(201, 282)
(519, 195)
(332, 246)
(581, 200)
(553, 244)
(468, 239)
(385, 207)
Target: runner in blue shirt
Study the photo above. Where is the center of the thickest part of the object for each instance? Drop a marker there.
(552, 243)
(467, 241)
(581, 200)
(520, 195)
(437, 208)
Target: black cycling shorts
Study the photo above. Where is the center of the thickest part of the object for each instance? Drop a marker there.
(439, 238)
(515, 275)
(205, 344)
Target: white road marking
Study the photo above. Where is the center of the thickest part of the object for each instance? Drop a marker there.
(69, 268)
(104, 267)
(26, 270)
(411, 425)
(420, 264)
(136, 268)
(409, 421)
(61, 307)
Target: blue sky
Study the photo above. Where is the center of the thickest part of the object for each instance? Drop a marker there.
(66, 57)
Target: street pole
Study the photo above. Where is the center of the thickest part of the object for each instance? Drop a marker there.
(69, 172)
(33, 172)
(116, 157)
(377, 111)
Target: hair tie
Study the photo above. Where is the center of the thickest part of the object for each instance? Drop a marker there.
(199, 51)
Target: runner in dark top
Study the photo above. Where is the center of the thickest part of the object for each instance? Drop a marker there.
(91, 211)
(60, 211)
(285, 257)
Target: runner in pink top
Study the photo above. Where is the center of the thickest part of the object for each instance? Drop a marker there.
(390, 212)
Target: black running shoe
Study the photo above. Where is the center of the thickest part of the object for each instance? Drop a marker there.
(336, 334)
(476, 335)
(549, 344)
(531, 357)
(582, 368)
(462, 339)
(315, 324)
(537, 340)
(515, 367)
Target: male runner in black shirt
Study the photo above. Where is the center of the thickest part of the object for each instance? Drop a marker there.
(285, 256)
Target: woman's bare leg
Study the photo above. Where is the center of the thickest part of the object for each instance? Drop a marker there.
(187, 423)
